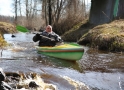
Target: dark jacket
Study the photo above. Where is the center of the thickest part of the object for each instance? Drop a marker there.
(47, 39)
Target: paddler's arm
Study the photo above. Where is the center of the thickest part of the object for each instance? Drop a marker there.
(38, 37)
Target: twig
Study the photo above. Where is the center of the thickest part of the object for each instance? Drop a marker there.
(1, 52)
(106, 16)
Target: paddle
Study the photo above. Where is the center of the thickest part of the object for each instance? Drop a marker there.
(24, 30)
(21, 28)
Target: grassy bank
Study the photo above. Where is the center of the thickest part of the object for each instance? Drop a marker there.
(105, 37)
(5, 28)
(74, 34)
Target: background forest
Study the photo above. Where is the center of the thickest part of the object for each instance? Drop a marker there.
(36, 14)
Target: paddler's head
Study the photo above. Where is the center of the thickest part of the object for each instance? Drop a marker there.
(49, 28)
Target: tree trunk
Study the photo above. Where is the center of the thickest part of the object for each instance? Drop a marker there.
(15, 11)
(121, 9)
(43, 9)
(20, 7)
(27, 10)
(46, 12)
(50, 12)
(101, 11)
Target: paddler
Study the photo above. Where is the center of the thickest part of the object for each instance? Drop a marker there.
(47, 37)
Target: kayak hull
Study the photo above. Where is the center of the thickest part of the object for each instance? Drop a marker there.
(66, 51)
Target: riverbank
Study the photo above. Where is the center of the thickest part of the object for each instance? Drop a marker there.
(108, 37)
(5, 28)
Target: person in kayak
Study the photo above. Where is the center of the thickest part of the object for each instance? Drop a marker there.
(47, 37)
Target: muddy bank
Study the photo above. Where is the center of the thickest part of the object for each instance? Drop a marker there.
(77, 31)
(104, 37)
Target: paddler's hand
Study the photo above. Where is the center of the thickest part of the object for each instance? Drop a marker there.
(52, 39)
(58, 39)
(37, 35)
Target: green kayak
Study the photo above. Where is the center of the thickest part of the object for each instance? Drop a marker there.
(66, 51)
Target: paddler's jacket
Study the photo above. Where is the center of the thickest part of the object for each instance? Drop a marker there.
(52, 39)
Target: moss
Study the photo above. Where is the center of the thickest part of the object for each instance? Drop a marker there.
(76, 32)
(106, 37)
(117, 46)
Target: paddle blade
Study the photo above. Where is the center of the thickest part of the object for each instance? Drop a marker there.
(21, 28)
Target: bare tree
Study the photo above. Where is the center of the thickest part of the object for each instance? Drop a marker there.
(55, 12)
(16, 5)
(27, 9)
(19, 2)
(50, 12)
(59, 6)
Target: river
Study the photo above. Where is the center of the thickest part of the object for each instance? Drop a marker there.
(97, 70)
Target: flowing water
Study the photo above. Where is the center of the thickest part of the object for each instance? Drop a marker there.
(97, 70)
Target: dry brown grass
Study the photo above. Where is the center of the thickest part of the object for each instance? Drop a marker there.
(5, 28)
(2, 42)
